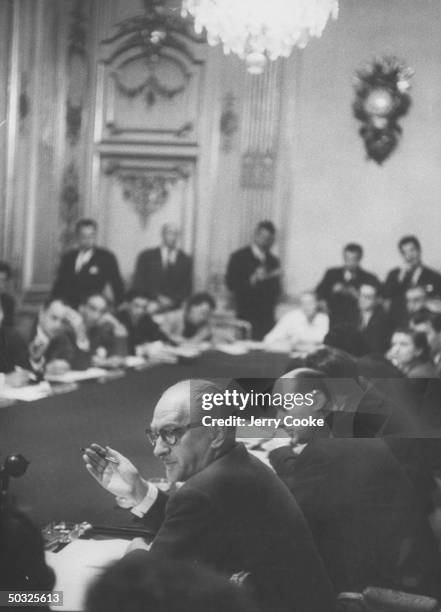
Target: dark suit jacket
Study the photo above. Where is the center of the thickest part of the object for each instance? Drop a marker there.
(102, 269)
(395, 289)
(254, 303)
(364, 515)
(175, 282)
(335, 276)
(8, 306)
(236, 516)
(378, 332)
(342, 305)
(145, 330)
(13, 351)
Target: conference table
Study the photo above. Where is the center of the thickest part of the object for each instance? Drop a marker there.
(50, 433)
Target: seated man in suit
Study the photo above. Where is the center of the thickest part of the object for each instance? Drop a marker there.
(429, 323)
(415, 300)
(6, 299)
(140, 326)
(302, 329)
(191, 324)
(363, 512)
(253, 276)
(374, 324)
(413, 273)
(165, 272)
(53, 348)
(14, 359)
(339, 286)
(232, 514)
(88, 269)
(106, 335)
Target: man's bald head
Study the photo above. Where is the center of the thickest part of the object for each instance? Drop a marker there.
(179, 410)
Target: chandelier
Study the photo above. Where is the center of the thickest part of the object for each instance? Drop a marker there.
(258, 30)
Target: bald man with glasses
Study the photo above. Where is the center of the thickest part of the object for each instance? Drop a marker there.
(232, 513)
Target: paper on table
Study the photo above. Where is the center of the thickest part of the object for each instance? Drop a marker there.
(235, 348)
(78, 375)
(78, 564)
(29, 393)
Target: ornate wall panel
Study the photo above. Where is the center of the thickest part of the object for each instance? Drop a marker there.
(147, 100)
(138, 195)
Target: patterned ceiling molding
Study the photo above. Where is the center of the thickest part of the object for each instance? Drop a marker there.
(147, 189)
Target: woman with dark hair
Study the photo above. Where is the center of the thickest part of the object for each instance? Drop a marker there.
(410, 352)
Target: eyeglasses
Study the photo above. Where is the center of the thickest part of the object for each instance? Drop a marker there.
(169, 436)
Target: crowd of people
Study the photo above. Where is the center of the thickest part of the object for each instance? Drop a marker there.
(89, 318)
(348, 505)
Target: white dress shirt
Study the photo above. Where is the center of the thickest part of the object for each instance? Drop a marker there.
(82, 259)
(168, 256)
(295, 330)
(258, 253)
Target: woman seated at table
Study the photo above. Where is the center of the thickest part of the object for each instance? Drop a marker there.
(410, 353)
(14, 361)
(192, 324)
(302, 329)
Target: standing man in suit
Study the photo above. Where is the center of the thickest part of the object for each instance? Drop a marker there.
(232, 514)
(165, 272)
(253, 276)
(412, 273)
(88, 269)
(339, 286)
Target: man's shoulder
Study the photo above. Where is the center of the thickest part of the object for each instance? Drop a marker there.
(70, 254)
(149, 253)
(430, 273)
(242, 253)
(393, 273)
(104, 253)
(368, 276)
(335, 271)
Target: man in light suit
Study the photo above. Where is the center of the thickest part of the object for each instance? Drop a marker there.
(87, 270)
(165, 272)
(231, 514)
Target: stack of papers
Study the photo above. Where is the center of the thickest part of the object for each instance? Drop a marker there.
(235, 348)
(78, 564)
(29, 393)
(78, 375)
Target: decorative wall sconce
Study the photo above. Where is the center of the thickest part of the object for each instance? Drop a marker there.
(381, 99)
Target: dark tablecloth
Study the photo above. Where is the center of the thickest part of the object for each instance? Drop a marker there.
(51, 432)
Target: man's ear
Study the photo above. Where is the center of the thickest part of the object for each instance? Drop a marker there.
(218, 435)
(319, 400)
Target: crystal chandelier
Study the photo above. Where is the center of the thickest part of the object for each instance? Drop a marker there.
(258, 30)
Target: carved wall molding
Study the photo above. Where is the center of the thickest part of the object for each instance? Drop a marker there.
(157, 35)
(70, 197)
(146, 188)
(229, 122)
